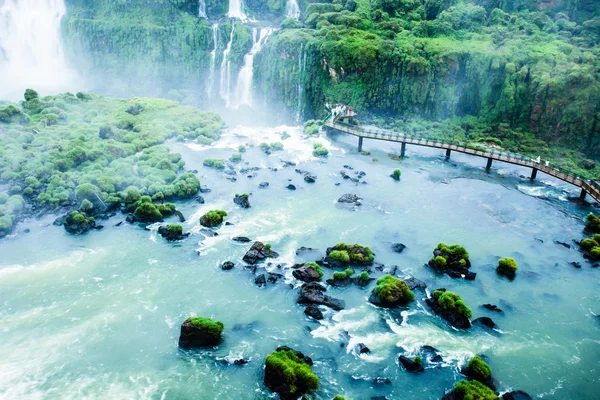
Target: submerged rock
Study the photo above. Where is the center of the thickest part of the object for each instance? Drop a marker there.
(485, 321)
(411, 365)
(291, 187)
(263, 185)
(260, 280)
(242, 200)
(200, 199)
(349, 198)
(398, 247)
(258, 252)
(312, 293)
(314, 312)
(414, 283)
(227, 265)
(241, 239)
(208, 232)
(492, 307)
(362, 349)
(310, 178)
(516, 395)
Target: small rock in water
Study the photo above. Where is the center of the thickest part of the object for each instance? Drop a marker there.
(241, 239)
(349, 198)
(310, 178)
(381, 381)
(398, 247)
(314, 312)
(242, 200)
(411, 365)
(260, 281)
(492, 307)
(568, 246)
(348, 167)
(362, 349)
(576, 264)
(414, 283)
(485, 321)
(263, 185)
(208, 233)
(291, 187)
(240, 361)
(289, 164)
(200, 199)
(227, 265)
(516, 395)
(119, 223)
(204, 189)
(258, 252)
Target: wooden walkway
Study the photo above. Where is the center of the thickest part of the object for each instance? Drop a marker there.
(587, 187)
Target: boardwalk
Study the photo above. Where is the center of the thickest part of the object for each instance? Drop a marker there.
(587, 187)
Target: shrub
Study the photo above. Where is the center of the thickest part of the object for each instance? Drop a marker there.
(31, 94)
(338, 276)
(478, 369)
(214, 163)
(268, 246)
(363, 276)
(147, 211)
(86, 191)
(338, 397)
(507, 265)
(276, 146)
(295, 371)
(340, 255)
(132, 194)
(439, 262)
(236, 157)
(396, 174)
(473, 390)
(418, 360)
(27, 191)
(595, 253)
(86, 206)
(312, 130)
(105, 132)
(319, 150)
(210, 328)
(393, 291)
(452, 302)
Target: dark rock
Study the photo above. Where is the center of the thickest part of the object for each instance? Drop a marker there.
(200, 199)
(568, 246)
(398, 247)
(310, 178)
(485, 321)
(289, 164)
(196, 336)
(230, 172)
(258, 252)
(516, 395)
(349, 198)
(242, 200)
(291, 187)
(171, 234)
(575, 264)
(260, 280)
(348, 167)
(362, 349)
(361, 174)
(263, 185)
(312, 293)
(60, 220)
(305, 251)
(251, 268)
(240, 361)
(340, 282)
(414, 283)
(241, 239)
(306, 273)
(411, 365)
(208, 232)
(246, 327)
(273, 277)
(379, 398)
(455, 319)
(381, 381)
(227, 265)
(78, 223)
(277, 382)
(492, 307)
(119, 223)
(314, 312)
(204, 189)
(337, 184)
(453, 267)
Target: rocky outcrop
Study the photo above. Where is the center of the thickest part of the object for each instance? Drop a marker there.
(306, 273)
(281, 377)
(78, 222)
(314, 312)
(313, 293)
(172, 232)
(454, 315)
(411, 365)
(351, 199)
(242, 200)
(398, 247)
(259, 252)
(200, 332)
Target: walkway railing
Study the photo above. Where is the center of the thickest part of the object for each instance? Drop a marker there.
(590, 187)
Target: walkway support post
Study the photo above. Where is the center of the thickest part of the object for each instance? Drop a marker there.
(360, 140)
(582, 194)
(533, 173)
(489, 164)
(403, 150)
(448, 151)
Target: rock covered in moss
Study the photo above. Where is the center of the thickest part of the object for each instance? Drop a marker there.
(343, 254)
(341, 278)
(451, 307)
(78, 223)
(313, 293)
(478, 370)
(242, 200)
(146, 211)
(452, 260)
(473, 390)
(172, 232)
(259, 252)
(411, 365)
(507, 267)
(391, 292)
(288, 373)
(212, 218)
(200, 332)
(308, 272)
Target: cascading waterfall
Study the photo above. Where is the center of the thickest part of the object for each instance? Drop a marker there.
(244, 83)
(202, 9)
(300, 88)
(225, 82)
(213, 56)
(31, 51)
(236, 10)
(293, 10)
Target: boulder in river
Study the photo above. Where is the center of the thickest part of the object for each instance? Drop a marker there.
(227, 265)
(452, 260)
(242, 200)
(391, 292)
(414, 283)
(492, 307)
(212, 218)
(260, 280)
(263, 185)
(478, 370)
(288, 373)
(291, 187)
(308, 272)
(200, 332)
(78, 222)
(172, 232)
(485, 321)
(342, 255)
(507, 267)
(341, 278)
(398, 247)
(411, 365)
(314, 312)
(450, 307)
(516, 395)
(258, 252)
(350, 198)
(241, 239)
(312, 293)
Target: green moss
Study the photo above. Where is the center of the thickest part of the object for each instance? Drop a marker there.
(356, 254)
(478, 369)
(391, 290)
(211, 328)
(235, 157)
(592, 223)
(316, 266)
(338, 276)
(213, 218)
(473, 390)
(418, 360)
(214, 163)
(338, 397)
(452, 302)
(295, 371)
(242, 148)
(508, 265)
(363, 276)
(396, 174)
(340, 255)
(147, 211)
(319, 150)
(175, 228)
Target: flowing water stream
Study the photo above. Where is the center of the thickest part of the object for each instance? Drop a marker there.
(202, 9)
(225, 82)
(97, 316)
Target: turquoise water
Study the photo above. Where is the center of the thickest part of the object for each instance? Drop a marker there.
(98, 315)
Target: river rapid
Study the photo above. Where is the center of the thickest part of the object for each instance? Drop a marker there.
(98, 316)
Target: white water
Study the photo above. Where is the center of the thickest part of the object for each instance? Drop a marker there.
(202, 9)
(300, 86)
(244, 83)
(293, 11)
(225, 82)
(213, 56)
(31, 50)
(236, 10)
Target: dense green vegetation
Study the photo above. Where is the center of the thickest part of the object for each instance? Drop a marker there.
(294, 370)
(473, 390)
(452, 302)
(454, 253)
(478, 369)
(354, 254)
(58, 151)
(213, 218)
(341, 275)
(507, 266)
(592, 223)
(209, 328)
(392, 291)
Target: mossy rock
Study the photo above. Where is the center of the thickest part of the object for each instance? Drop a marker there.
(478, 370)
(212, 218)
(507, 267)
(288, 373)
(200, 332)
(452, 260)
(78, 223)
(341, 278)
(308, 272)
(172, 232)
(391, 292)
(344, 254)
(473, 390)
(592, 223)
(451, 307)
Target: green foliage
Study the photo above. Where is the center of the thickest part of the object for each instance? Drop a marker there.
(592, 223)
(268, 246)
(340, 255)
(147, 211)
(214, 163)
(296, 372)
(478, 369)
(355, 253)
(211, 328)
(316, 266)
(363, 276)
(452, 302)
(236, 157)
(418, 360)
(338, 397)
(396, 174)
(339, 276)
(242, 148)
(588, 244)
(473, 390)
(319, 150)
(86, 206)
(507, 264)
(392, 290)
(213, 218)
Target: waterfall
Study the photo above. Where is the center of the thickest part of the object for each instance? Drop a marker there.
(225, 83)
(293, 10)
(236, 10)
(213, 56)
(202, 9)
(244, 83)
(300, 86)
(31, 50)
